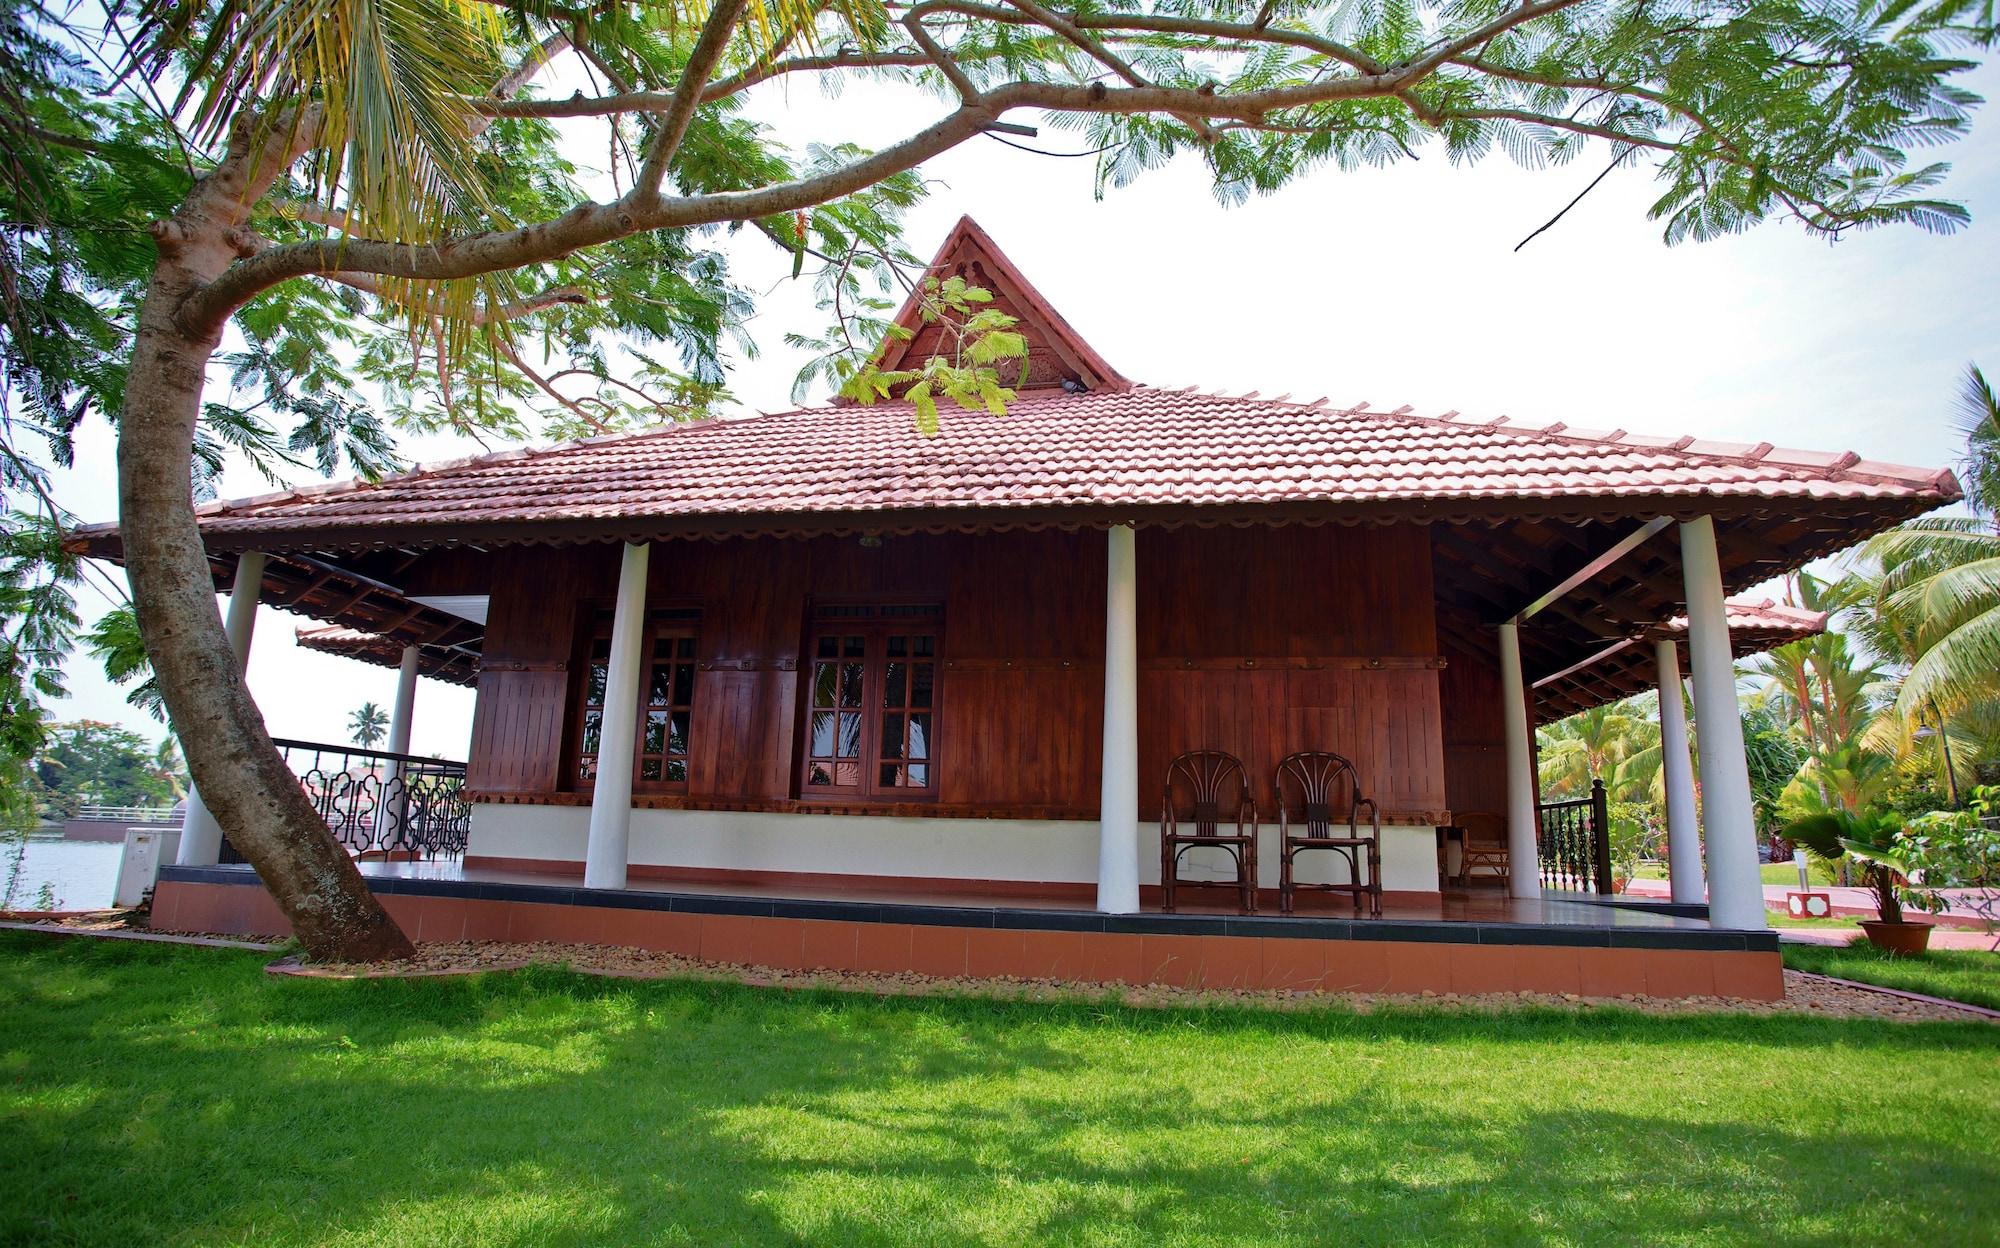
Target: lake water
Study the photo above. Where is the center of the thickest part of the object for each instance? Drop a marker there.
(80, 875)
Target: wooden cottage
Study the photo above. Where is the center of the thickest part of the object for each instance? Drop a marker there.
(813, 689)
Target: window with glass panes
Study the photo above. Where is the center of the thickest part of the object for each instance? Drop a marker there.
(666, 701)
(871, 715)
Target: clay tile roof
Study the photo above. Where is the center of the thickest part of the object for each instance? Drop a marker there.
(1057, 457)
(1755, 625)
(1137, 448)
(438, 663)
(1762, 619)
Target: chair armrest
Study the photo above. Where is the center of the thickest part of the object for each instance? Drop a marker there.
(1374, 816)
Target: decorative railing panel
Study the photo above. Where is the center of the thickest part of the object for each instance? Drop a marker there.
(1573, 842)
(383, 805)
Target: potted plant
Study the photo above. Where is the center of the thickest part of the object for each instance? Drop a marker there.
(1891, 861)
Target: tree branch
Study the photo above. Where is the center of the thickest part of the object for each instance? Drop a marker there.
(702, 60)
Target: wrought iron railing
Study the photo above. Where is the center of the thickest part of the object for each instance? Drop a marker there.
(1573, 841)
(383, 805)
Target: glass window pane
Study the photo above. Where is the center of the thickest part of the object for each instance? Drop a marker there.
(919, 774)
(892, 736)
(663, 647)
(847, 775)
(899, 646)
(684, 684)
(677, 733)
(921, 676)
(649, 769)
(850, 684)
(850, 736)
(677, 769)
(826, 678)
(593, 730)
(822, 735)
(923, 645)
(586, 767)
(895, 682)
(818, 775)
(829, 647)
(593, 684)
(684, 648)
(600, 648)
(656, 732)
(920, 737)
(851, 647)
(660, 689)
(889, 778)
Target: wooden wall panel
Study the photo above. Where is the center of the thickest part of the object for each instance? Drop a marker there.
(1475, 757)
(1259, 597)
(519, 718)
(1020, 688)
(1329, 591)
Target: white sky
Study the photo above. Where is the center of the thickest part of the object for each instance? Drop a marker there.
(1394, 286)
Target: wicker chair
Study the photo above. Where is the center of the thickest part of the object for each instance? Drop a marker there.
(1312, 787)
(1484, 848)
(1206, 792)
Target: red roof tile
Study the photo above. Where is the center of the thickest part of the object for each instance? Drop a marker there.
(1139, 448)
(1118, 447)
(1769, 622)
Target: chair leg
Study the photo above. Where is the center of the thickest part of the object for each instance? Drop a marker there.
(1375, 878)
(1169, 863)
(1285, 880)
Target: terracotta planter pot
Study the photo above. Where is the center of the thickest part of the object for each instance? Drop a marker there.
(1898, 938)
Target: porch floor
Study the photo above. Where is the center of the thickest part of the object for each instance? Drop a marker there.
(1474, 941)
(1477, 905)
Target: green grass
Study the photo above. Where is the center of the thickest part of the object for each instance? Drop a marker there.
(1969, 975)
(1778, 918)
(158, 1095)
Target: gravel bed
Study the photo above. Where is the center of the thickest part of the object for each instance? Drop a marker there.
(1804, 994)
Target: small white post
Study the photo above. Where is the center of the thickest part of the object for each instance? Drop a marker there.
(1729, 824)
(1524, 869)
(611, 796)
(201, 835)
(394, 814)
(1118, 803)
(1677, 772)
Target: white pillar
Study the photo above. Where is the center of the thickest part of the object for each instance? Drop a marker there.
(1524, 868)
(1118, 802)
(611, 796)
(201, 835)
(1729, 825)
(395, 811)
(1677, 771)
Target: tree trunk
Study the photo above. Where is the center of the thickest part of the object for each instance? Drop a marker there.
(244, 782)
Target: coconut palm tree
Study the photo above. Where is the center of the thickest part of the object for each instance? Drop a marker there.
(1587, 746)
(1939, 596)
(368, 725)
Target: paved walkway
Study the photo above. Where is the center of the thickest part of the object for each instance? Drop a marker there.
(1964, 910)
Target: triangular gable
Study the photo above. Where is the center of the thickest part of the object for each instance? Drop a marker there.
(1056, 352)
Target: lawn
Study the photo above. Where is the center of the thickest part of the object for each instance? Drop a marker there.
(159, 1095)
(1771, 872)
(1969, 975)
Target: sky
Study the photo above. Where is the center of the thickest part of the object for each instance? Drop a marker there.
(1397, 286)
